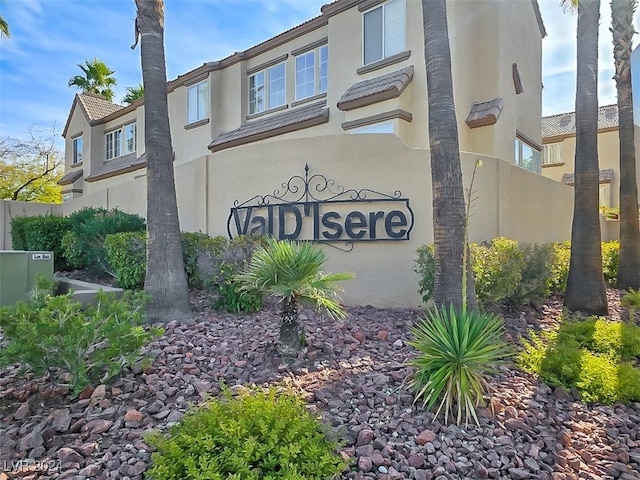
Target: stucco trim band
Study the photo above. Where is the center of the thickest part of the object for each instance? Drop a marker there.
(385, 62)
(380, 117)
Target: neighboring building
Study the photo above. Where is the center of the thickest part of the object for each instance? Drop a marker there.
(558, 158)
(248, 124)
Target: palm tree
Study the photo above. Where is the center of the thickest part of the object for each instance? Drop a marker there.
(4, 27)
(292, 271)
(449, 215)
(97, 78)
(622, 28)
(585, 284)
(165, 278)
(133, 94)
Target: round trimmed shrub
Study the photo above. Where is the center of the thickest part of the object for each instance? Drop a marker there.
(255, 435)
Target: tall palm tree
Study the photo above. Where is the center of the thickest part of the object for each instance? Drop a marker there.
(133, 94)
(292, 271)
(449, 216)
(165, 278)
(585, 284)
(622, 28)
(97, 78)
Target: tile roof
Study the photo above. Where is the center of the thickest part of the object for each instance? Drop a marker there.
(70, 177)
(377, 89)
(96, 106)
(564, 124)
(485, 113)
(117, 167)
(606, 176)
(273, 125)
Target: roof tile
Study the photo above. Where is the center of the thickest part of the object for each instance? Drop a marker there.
(265, 127)
(71, 177)
(485, 113)
(564, 124)
(377, 89)
(606, 176)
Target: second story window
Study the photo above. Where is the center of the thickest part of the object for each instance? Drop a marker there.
(267, 89)
(130, 138)
(197, 96)
(117, 145)
(77, 149)
(311, 73)
(551, 154)
(384, 31)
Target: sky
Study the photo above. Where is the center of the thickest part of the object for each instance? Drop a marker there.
(49, 38)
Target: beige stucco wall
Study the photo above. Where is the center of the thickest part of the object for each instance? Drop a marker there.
(510, 201)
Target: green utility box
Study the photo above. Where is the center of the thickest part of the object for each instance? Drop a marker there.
(19, 271)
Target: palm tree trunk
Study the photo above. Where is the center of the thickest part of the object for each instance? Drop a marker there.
(585, 285)
(622, 28)
(290, 333)
(446, 173)
(165, 278)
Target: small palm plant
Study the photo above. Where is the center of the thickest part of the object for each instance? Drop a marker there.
(292, 271)
(457, 349)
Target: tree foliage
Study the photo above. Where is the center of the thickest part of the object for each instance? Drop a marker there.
(97, 78)
(31, 168)
(133, 94)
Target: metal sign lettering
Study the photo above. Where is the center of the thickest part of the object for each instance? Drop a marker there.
(315, 208)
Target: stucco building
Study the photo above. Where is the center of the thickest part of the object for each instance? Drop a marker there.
(559, 150)
(321, 133)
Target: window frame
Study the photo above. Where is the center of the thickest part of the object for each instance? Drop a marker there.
(267, 85)
(116, 144)
(77, 150)
(519, 144)
(383, 36)
(552, 148)
(320, 81)
(201, 111)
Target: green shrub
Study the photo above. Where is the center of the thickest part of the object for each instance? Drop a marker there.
(84, 244)
(232, 297)
(610, 261)
(594, 355)
(192, 245)
(256, 435)
(44, 232)
(127, 256)
(456, 350)
(53, 335)
(18, 235)
(560, 267)
(497, 269)
(425, 268)
(535, 275)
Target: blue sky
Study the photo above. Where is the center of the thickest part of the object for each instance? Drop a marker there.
(50, 37)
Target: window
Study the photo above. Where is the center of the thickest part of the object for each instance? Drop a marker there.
(526, 156)
(384, 127)
(115, 146)
(604, 195)
(311, 73)
(267, 89)
(197, 102)
(384, 31)
(551, 154)
(113, 140)
(130, 138)
(77, 149)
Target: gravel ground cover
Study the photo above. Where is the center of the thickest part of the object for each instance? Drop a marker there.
(352, 373)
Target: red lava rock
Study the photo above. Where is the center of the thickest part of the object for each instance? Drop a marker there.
(365, 464)
(426, 436)
(133, 416)
(86, 393)
(382, 335)
(365, 437)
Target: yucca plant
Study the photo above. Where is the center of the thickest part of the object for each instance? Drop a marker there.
(292, 271)
(457, 349)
